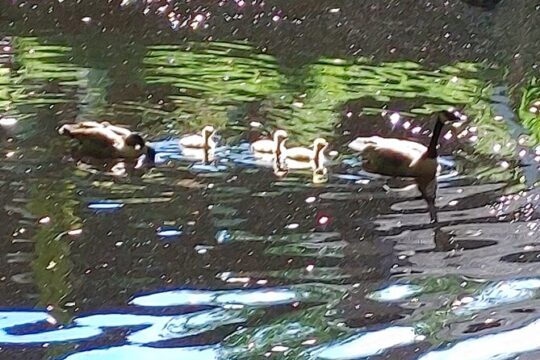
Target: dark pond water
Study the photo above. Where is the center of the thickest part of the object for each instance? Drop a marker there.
(228, 261)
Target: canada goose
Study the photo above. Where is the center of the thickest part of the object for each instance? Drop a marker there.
(404, 158)
(101, 139)
(303, 158)
(274, 147)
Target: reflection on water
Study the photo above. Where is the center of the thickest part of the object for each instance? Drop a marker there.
(368, 344)
(504, 345)
(243, 306)
(142, 352)
(225, 259)
(198, 297)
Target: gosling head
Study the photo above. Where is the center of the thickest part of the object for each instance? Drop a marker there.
(208, 131)
(280, 136)
(320, 144)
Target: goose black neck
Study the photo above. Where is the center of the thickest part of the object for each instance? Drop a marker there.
(432, 148)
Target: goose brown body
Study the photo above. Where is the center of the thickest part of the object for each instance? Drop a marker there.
(394, 157)
(404, 158)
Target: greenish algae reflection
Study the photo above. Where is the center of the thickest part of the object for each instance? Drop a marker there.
(55, 205)
(291, 334)
(529, 108)
(52, 265)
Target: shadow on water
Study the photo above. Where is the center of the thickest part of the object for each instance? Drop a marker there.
(226, 260)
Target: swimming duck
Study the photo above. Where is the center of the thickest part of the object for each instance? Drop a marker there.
(102, 139)
(303, 158)
(270, 147)
(404, 158)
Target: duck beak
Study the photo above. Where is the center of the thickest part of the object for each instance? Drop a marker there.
(150, 154)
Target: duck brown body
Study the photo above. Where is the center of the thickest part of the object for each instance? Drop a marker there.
(102, 139)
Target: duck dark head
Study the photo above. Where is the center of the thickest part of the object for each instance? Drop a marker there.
(135, 141)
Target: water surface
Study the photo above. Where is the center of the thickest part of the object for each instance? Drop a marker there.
(102, 260)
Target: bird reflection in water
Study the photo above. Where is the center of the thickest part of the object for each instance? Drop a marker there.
(279, 170)
(320, 175)
(443, 240)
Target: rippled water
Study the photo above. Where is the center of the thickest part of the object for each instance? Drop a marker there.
(102, 260)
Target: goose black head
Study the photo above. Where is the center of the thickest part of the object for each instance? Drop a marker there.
(450, 115)
(443, 117)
